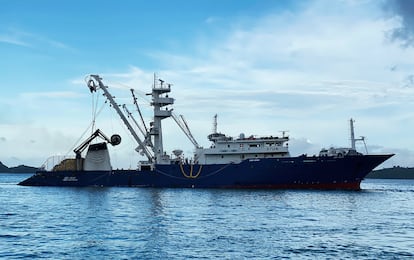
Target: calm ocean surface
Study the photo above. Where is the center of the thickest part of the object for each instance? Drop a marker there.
(142, 223)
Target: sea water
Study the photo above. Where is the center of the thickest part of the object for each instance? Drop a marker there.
(146, 223)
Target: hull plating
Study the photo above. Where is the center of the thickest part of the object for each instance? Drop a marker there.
(270, 173)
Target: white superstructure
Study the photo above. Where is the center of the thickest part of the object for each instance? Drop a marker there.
(226, 149)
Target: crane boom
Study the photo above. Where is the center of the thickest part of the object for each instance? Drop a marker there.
(98, 133)
(139, 110)
(147, 139)
(184, 127)
(93, 88)
(133, 119)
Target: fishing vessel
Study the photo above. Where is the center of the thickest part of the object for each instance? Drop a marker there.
(230, 162)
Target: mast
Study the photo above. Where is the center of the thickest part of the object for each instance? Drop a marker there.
(353, 141)
(133, 120)
(139, 110)
(160, 99)
(92, 87)
(147, 139)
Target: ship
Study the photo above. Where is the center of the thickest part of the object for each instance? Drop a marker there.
(246, 162)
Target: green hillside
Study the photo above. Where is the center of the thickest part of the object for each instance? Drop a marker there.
(392, 173)
(17, 169)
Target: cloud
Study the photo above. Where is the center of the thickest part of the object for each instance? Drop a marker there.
(34, 148)
(16, 37)
(51, 95)
(409, 81)
(12, 39)
(403, 12)
(22, 38)
(134, 78)
(308, 53)
(403, 157)
(291, 52)
(211, 20)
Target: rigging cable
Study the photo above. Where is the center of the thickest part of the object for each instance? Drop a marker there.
(95, 103)
(91, 125)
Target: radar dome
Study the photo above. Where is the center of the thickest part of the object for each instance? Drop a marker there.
(178, 152)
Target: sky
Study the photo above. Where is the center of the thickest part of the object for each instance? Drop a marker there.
(304, 67)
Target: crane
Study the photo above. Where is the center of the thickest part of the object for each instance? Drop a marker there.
(184, 127)
(145, 133)
(93, 88)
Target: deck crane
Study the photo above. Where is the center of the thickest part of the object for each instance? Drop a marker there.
(114, 140)
(147, 137)
(139, 110)
(184, 127)
(93, 88)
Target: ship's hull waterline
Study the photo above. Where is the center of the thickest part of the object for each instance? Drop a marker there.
(267, 173)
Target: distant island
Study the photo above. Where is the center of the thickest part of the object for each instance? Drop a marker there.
(395, 172)
(17, 169)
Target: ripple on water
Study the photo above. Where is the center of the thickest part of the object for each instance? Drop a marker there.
(125, 223)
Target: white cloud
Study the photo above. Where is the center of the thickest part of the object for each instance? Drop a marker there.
(10, 39)
(22, 38)
(212, 19)
(51, 94)
(31, 145)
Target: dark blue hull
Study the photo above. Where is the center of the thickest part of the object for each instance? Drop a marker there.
(282, 173)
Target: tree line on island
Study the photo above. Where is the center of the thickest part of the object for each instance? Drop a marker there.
(395, 172)
(17, 169)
